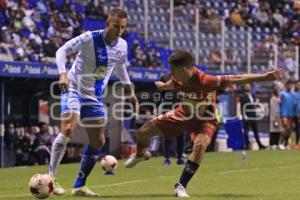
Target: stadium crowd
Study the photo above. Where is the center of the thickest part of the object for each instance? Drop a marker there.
(280, 17)
(28, 145)
(34, 31)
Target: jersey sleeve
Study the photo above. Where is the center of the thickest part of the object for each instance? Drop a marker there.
(72, 46)
(212, 83)
(121, 70)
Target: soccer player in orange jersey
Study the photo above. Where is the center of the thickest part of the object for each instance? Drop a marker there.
(194, 115)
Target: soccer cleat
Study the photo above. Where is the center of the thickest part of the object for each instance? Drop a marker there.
(133, 160)
(180, 161)
(282, 147)
(167, 162)
(180, 191)
(83, 191)
(57, 188)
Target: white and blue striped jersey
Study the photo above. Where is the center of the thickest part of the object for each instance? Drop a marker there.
(94, 63)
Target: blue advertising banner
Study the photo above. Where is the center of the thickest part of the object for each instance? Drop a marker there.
(40, 70)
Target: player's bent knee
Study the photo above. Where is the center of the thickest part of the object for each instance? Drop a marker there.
(68, 130)
(201, 143)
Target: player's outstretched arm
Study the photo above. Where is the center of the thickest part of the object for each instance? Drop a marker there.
(165, 86)
(249, 78)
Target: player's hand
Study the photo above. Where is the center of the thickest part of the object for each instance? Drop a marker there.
(135, 103)
(63, 82)
(275, 74)
(160, 85)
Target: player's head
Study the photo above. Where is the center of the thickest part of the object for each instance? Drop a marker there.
(289, 85)
(116, 23)
(181, 62)
(247, 87)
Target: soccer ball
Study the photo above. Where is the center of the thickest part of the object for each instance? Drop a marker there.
(109, 164)
(41, 185)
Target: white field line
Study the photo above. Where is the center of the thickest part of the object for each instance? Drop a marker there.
(238, 171)
(94, 186)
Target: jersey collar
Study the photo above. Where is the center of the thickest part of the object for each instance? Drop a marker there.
(114, 43)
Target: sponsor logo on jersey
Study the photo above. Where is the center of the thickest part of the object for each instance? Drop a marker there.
(100, 72)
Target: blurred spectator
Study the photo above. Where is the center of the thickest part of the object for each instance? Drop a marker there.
(9, 136)
(230, 56)
(95, 10)
(214, 57)
(236, 18)
(261, 17)
(138, 54)
(22, 147)
(5, 53)
(287, 111)
(275, 121)
(169, 98)
(152, 59)
(296, 118)
(278, 18)
(42, 144)
(248, 102)
(290, 65)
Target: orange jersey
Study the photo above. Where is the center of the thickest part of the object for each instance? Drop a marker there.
(199, 94)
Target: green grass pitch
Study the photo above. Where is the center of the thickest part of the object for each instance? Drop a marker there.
(266, 175)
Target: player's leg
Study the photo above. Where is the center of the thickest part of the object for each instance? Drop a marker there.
(285, 133)
(246, 133)
(200, 142)
(297, 131)
(254, 127)
(180, 148)
(69, 120)
(167, 151)
(95, 130)
(144, 135)
(170, 124)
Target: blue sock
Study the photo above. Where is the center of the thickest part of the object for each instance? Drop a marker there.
(88, 160)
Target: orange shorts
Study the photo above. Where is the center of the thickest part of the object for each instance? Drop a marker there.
(175, 122)
(287, 122)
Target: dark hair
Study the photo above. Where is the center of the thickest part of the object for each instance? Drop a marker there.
(289, 82)
(118, 12)
(181, 58)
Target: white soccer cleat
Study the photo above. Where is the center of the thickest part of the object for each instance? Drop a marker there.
(83, 191)
(281, 147)
(133, 160)
(57, 188)
(180, 191)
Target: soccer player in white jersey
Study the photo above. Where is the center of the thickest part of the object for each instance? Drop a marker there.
(98, 54)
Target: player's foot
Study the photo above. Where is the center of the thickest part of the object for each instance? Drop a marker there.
(167, 162)
(282, 147)
(262, 147)
(57, 188)
(133, 160)
(83, 191)
(180, 161)
(180, 191)
(273, 147)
